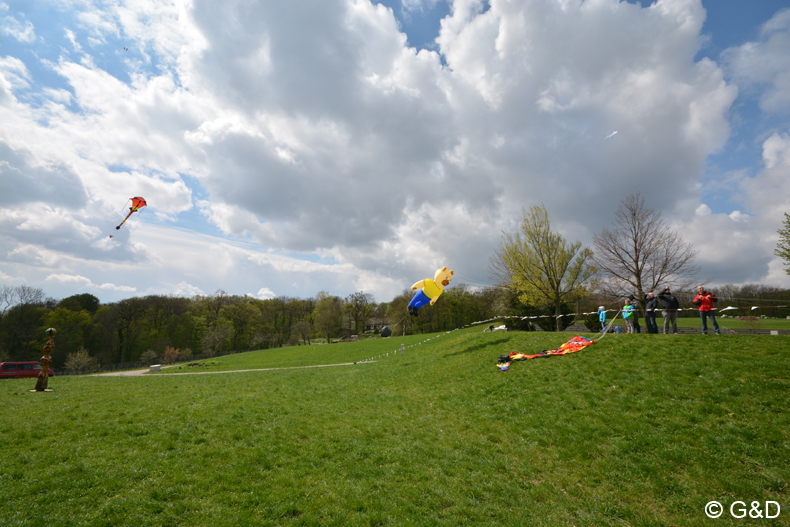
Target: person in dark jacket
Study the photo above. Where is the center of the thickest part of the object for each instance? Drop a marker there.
(651, 304)
(669, 309)
(705, 301)
(637, 327)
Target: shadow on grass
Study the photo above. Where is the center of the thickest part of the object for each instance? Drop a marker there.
(480, 346)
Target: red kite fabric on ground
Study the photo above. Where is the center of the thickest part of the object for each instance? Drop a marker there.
(572, 346)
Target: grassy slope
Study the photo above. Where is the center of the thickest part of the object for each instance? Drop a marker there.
(732, 323)
(636, 430)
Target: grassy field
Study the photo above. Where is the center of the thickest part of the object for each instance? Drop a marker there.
(638, 430)
(732, 323)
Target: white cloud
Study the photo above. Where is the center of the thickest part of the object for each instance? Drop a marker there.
(188, 290)
(81, 281)
(35, 256)
(739, 247)
(765, 63)
(332, 157)
(265, 293)
(21, 31)
(13, 75)
(73, 39)
(703, 210)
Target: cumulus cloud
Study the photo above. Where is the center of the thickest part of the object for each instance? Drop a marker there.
(703, 210)
(765, 63)
(739, 247)
(265, 293)
(188, 290)
(391, 131)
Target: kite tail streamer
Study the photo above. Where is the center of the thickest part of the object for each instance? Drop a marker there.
(124, 220)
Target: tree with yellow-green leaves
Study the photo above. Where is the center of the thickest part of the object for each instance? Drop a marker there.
(540, 265)
(783, 247)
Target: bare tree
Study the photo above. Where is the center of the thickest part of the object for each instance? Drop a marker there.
(21, 295)
(29, 296)
(640, 252)
(360, 307)
(7, 297)
(727, 292)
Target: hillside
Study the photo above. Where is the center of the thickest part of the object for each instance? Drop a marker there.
(635, 430)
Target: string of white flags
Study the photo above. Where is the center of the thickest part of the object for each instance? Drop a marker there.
(404, 347)
(531, 317)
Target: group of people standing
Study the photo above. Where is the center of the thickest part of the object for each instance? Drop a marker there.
(670, 306)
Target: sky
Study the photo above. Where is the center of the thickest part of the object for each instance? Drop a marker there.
(287, 148)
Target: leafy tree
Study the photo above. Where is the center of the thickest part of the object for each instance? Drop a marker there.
(71, 326)
(244, 317)
(214, 305)
(783, 247)
(126, 315)
(101, 337)
(85, 301)
(328, 314)
(302, 330)
(540, 265)
(23, 314)
(149, 356)
(215, 337)
(640, 252)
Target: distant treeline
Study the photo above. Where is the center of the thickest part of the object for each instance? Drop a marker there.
(150, 327)
(145, 328)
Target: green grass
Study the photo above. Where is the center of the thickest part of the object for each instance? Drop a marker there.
(732, 323)
(296, 356)
(636, 430)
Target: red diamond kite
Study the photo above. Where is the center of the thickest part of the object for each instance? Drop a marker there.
(137, 204)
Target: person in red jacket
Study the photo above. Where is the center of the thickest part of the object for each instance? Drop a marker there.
(705, 301)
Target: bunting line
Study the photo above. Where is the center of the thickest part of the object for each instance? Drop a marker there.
(531, 317)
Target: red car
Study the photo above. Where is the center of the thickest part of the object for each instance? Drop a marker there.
(20, 370)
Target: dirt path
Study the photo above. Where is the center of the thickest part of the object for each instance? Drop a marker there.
(134, 373)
